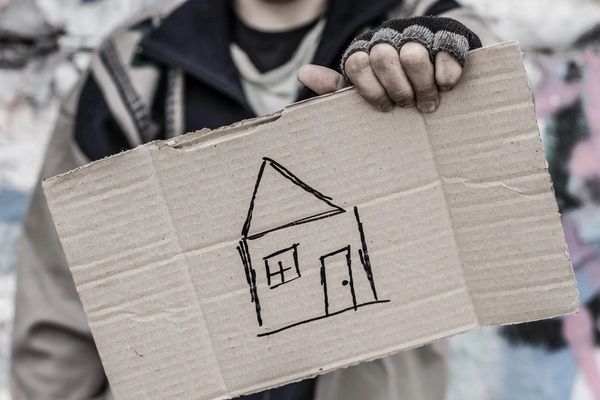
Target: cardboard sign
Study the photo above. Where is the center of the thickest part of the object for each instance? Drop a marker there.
(217, 264)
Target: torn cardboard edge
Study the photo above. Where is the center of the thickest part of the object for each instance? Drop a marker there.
(170, 204)
(205, 134)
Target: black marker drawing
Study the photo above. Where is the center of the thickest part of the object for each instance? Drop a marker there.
(341, 267)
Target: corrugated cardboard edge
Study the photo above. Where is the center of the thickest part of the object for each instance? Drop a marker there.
(577, 305)
(223, 133)
(347, 364)
(574, 308)
(208, 137)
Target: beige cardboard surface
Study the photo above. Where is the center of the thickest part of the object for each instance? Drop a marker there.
(221, 263)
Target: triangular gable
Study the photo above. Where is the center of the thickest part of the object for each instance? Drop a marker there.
(281, 200)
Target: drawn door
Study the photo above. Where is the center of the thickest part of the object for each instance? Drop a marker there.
(336, 279)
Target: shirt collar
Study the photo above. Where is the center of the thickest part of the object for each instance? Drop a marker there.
(195, 37)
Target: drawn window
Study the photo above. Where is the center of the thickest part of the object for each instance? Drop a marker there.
(282, 266)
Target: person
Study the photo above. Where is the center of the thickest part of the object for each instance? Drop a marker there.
(209, 63)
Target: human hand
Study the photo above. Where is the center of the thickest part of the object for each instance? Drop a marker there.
(402, 62)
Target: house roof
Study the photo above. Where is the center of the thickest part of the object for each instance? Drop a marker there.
(281, 200)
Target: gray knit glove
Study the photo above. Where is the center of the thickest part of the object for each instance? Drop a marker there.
(435, 33)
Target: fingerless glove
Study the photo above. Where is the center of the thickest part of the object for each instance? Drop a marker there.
(435, 33)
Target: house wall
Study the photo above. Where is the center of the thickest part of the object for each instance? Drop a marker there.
(279, 306)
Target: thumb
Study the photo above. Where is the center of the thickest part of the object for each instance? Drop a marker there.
(321, 80)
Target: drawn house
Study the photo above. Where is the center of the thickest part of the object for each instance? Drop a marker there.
(305, 258)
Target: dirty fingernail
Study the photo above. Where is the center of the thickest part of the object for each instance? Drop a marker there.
(427, 106)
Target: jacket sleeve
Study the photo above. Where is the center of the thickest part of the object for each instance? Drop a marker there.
(53, 353)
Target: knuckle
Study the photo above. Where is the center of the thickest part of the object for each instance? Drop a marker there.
(373, 96)
(383, 56)
(446, 81)
(357, 63)
(427, 94)
(401, 96)
(448, 77)
(414, 56)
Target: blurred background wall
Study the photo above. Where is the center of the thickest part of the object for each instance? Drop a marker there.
(46, 44)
